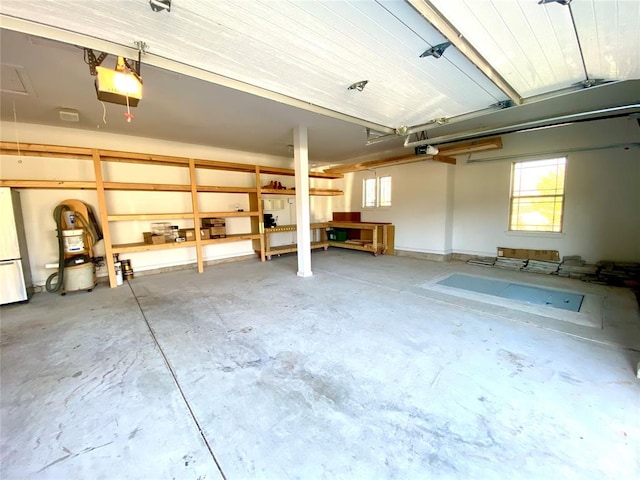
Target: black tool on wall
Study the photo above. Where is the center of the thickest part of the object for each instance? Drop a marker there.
(269, 221)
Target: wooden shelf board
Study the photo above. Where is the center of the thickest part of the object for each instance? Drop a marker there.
(232, 238)
(228, 214)
(227, 166)
(367, 247)
(148, 216)
(29, 149)
(147, 187)
(37, 150)
(293, 228)
(312, 191)
(291, 173)
(218, 189)
(145, 247)
(63, 184)
(293, 248)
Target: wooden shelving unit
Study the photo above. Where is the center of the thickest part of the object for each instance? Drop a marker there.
(101, 156)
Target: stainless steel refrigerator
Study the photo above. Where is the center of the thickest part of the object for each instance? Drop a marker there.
(15, 274)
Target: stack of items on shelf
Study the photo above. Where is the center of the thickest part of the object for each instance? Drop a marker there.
(573, 266)
(541, 266)
(625, 274)
(161, 232)
(216, 226)
(482, 261)
(508, 263)
(189, 234)
(275, 186)
(164, 232)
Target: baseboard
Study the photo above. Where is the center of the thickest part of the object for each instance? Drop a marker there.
(434, 257)
(462, 257)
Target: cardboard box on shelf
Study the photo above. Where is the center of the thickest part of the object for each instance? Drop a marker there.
(213, 222)
(189, 234)
(525, 253)
(215, 231)
(152, 239)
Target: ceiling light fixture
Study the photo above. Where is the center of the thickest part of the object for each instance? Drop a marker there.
(561, 2)
(122, 85)
(358, 85)
(436, 51)
(426, 150)
(159, 5)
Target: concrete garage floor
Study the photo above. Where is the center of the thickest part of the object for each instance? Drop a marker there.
(367, 370)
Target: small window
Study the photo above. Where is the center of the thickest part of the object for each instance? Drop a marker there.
(537, 195)
(376, 192)
(385, 191)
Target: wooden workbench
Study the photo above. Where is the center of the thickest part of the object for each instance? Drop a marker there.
(367, 236)
(318, 239)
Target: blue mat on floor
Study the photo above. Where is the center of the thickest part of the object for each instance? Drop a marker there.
(514, 291)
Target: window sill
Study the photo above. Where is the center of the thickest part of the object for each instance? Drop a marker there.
(517, 233)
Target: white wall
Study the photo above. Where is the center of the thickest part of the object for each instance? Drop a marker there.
(441, 209)
(419, 200)
(602, 201)
(38, 204)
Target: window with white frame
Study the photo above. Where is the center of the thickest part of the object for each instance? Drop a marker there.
(537, 195)
(376, 192)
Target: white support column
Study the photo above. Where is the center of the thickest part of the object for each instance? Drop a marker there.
(301, 160)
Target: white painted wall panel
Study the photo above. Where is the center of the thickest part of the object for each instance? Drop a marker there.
(601, 218)
(419, 205)
(465, 208)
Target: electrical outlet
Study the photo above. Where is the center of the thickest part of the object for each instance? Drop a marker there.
(290, 201)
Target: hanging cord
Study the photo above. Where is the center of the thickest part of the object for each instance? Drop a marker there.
(15, 125)
(59, 274)
(57, 217)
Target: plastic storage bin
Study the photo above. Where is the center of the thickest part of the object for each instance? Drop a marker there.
(337, 235)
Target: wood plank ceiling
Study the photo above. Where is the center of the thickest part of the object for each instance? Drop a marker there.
(313, 50)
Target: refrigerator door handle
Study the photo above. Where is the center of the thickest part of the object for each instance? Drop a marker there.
(7, 262)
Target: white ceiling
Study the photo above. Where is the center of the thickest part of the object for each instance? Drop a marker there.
(306, 54)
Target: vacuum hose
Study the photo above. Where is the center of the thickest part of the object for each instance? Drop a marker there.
(57, 216)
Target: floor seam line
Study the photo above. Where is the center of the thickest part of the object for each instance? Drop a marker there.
(177, 383)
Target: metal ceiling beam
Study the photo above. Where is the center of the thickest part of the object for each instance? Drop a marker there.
(421, 138)
(451, 33)
(74, 38)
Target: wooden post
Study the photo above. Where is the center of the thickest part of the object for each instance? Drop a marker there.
(104, 219)
(196, 213)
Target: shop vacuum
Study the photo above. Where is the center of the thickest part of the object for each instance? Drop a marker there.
(77, 231)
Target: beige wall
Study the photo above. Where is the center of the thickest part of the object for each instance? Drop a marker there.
(420, 202)
(464, 209)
